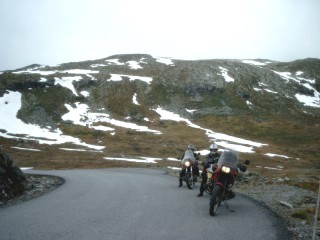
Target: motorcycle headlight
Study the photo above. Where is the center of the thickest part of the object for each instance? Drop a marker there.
(225, 169)
(187, 164)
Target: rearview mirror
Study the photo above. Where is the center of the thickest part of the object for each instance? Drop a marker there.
(247, 162)
(243, 168)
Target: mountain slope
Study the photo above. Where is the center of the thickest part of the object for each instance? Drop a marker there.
(141, 106)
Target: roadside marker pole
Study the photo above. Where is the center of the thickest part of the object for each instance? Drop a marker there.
(316, 216)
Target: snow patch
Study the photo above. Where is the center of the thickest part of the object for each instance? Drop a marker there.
(67, 82)
(310, 101)
(81, 115)
(219, 138)
(276, 155)
(118, 77)
(252, 62)
(224, 73)
(166, 61)
(14, 128)
(134, 99)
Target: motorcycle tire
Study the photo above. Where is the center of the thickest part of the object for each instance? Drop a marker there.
(189, 181)
(215, 200)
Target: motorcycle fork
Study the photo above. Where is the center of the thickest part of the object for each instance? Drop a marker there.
(223, 199)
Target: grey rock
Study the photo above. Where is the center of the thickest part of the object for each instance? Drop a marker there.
(289, 205)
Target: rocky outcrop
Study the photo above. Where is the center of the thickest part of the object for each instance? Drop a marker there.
(12, 179)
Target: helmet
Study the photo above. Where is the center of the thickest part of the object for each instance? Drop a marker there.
(191, 147)
(213, 147)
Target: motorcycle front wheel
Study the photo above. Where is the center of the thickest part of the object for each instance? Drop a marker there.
(189, 181)
(215, 200)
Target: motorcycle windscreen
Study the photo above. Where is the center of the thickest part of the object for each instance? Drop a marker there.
(229, 158)
(189, 155)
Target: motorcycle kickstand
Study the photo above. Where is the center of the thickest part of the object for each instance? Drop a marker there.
(227, 206)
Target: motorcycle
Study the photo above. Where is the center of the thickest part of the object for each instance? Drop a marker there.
(189, 177)
(222, 177)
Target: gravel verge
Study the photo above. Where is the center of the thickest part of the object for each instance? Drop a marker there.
(284, 200)
(36, 185)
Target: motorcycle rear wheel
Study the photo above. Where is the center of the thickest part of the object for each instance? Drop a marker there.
(215, 200)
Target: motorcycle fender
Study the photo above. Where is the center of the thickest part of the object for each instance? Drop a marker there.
(220, 184)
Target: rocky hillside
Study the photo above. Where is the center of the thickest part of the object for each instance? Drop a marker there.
(138, 108)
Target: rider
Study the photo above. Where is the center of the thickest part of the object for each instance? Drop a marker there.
(211, 158)
(189, 153)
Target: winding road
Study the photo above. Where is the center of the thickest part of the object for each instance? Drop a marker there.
(119, 204)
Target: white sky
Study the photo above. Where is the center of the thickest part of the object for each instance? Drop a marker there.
(53, 32)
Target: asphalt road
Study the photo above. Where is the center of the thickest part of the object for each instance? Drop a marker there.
(139, 204)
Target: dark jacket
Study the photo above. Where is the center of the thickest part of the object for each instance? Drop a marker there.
(210, 159)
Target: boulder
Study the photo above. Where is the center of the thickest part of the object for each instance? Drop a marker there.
(12, 179)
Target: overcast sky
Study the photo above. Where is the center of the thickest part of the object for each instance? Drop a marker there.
(51, 32)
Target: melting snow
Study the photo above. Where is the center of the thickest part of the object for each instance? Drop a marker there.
(97, 65)
(276, 155)
(166, 61)
(77, 150)
(311, 101)
(118, 77)
(143, 160)
(80, 115)
(254, 62)
(67, 82)
(260, 90)
(270, 91)
(78, 71)
(85, 93)
(70, 71)
(134, 99)
(134, 65)
(249, 104)
(27, 149)
(224, 73)
(14, 128)
(191, 110)
(36, 72)
(115, 61)
(219, 138)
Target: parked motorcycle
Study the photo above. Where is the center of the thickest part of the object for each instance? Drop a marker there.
(189, 177)
(221, 178)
